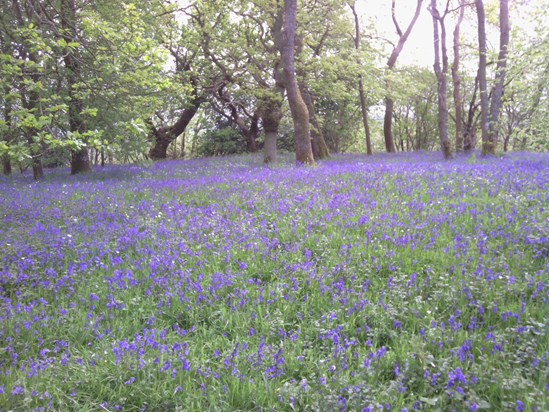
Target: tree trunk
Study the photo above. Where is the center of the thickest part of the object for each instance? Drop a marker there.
(456, 80)
(272, 114)
(298, 108)
(495, 104)
(468, 134)
(442, 87)
(6, 166)
(37, 169)
(6, 161)
(80, 159)
(487, 146)
(388, 125)
(364, 110)
(182, 145)
(162, 137)
(253, 132)
(361, 92)
(318, 144)
(31, 104)
(389, 102)
(271, 105)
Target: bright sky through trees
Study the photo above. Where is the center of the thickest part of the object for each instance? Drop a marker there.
(419, 47)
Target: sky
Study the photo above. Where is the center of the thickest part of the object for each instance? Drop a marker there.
(419, 49)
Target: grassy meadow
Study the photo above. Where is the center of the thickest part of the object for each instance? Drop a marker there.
(385, 283)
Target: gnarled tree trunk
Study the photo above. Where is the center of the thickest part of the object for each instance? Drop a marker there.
(318, 144)
(163, 137)
(300, 113)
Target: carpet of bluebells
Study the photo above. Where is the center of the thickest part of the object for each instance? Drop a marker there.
(384, 283)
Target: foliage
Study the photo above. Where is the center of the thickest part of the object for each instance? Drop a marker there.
(221, 142)
(120, 67)
(145, 62)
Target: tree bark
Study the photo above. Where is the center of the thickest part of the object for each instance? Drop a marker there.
(441, 73)
(298, 108)
(6, 166)
(468, 135)
(182, 155)
(271, 104)
(487, 146)
(361, 92)
(80, 160)
(318, 144)
(251, 141)
(497, 94)
(162, 137)
(389, 102)
(31, 104)
(271, 117)
(456, 80)
(388, 125)
(6, 161)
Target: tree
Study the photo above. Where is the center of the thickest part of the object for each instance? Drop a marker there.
(162, 137)
(300, 114)
(6, 128)
(27, 42)
(525, 111)
(80, 160)
(441, 74)
(456, 79)
(501, 67)
(389, 102)
(487, 146)
(362, 93)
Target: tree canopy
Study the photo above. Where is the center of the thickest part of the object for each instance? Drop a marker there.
(89, 82)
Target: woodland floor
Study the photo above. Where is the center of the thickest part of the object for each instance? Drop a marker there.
(392, 282)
